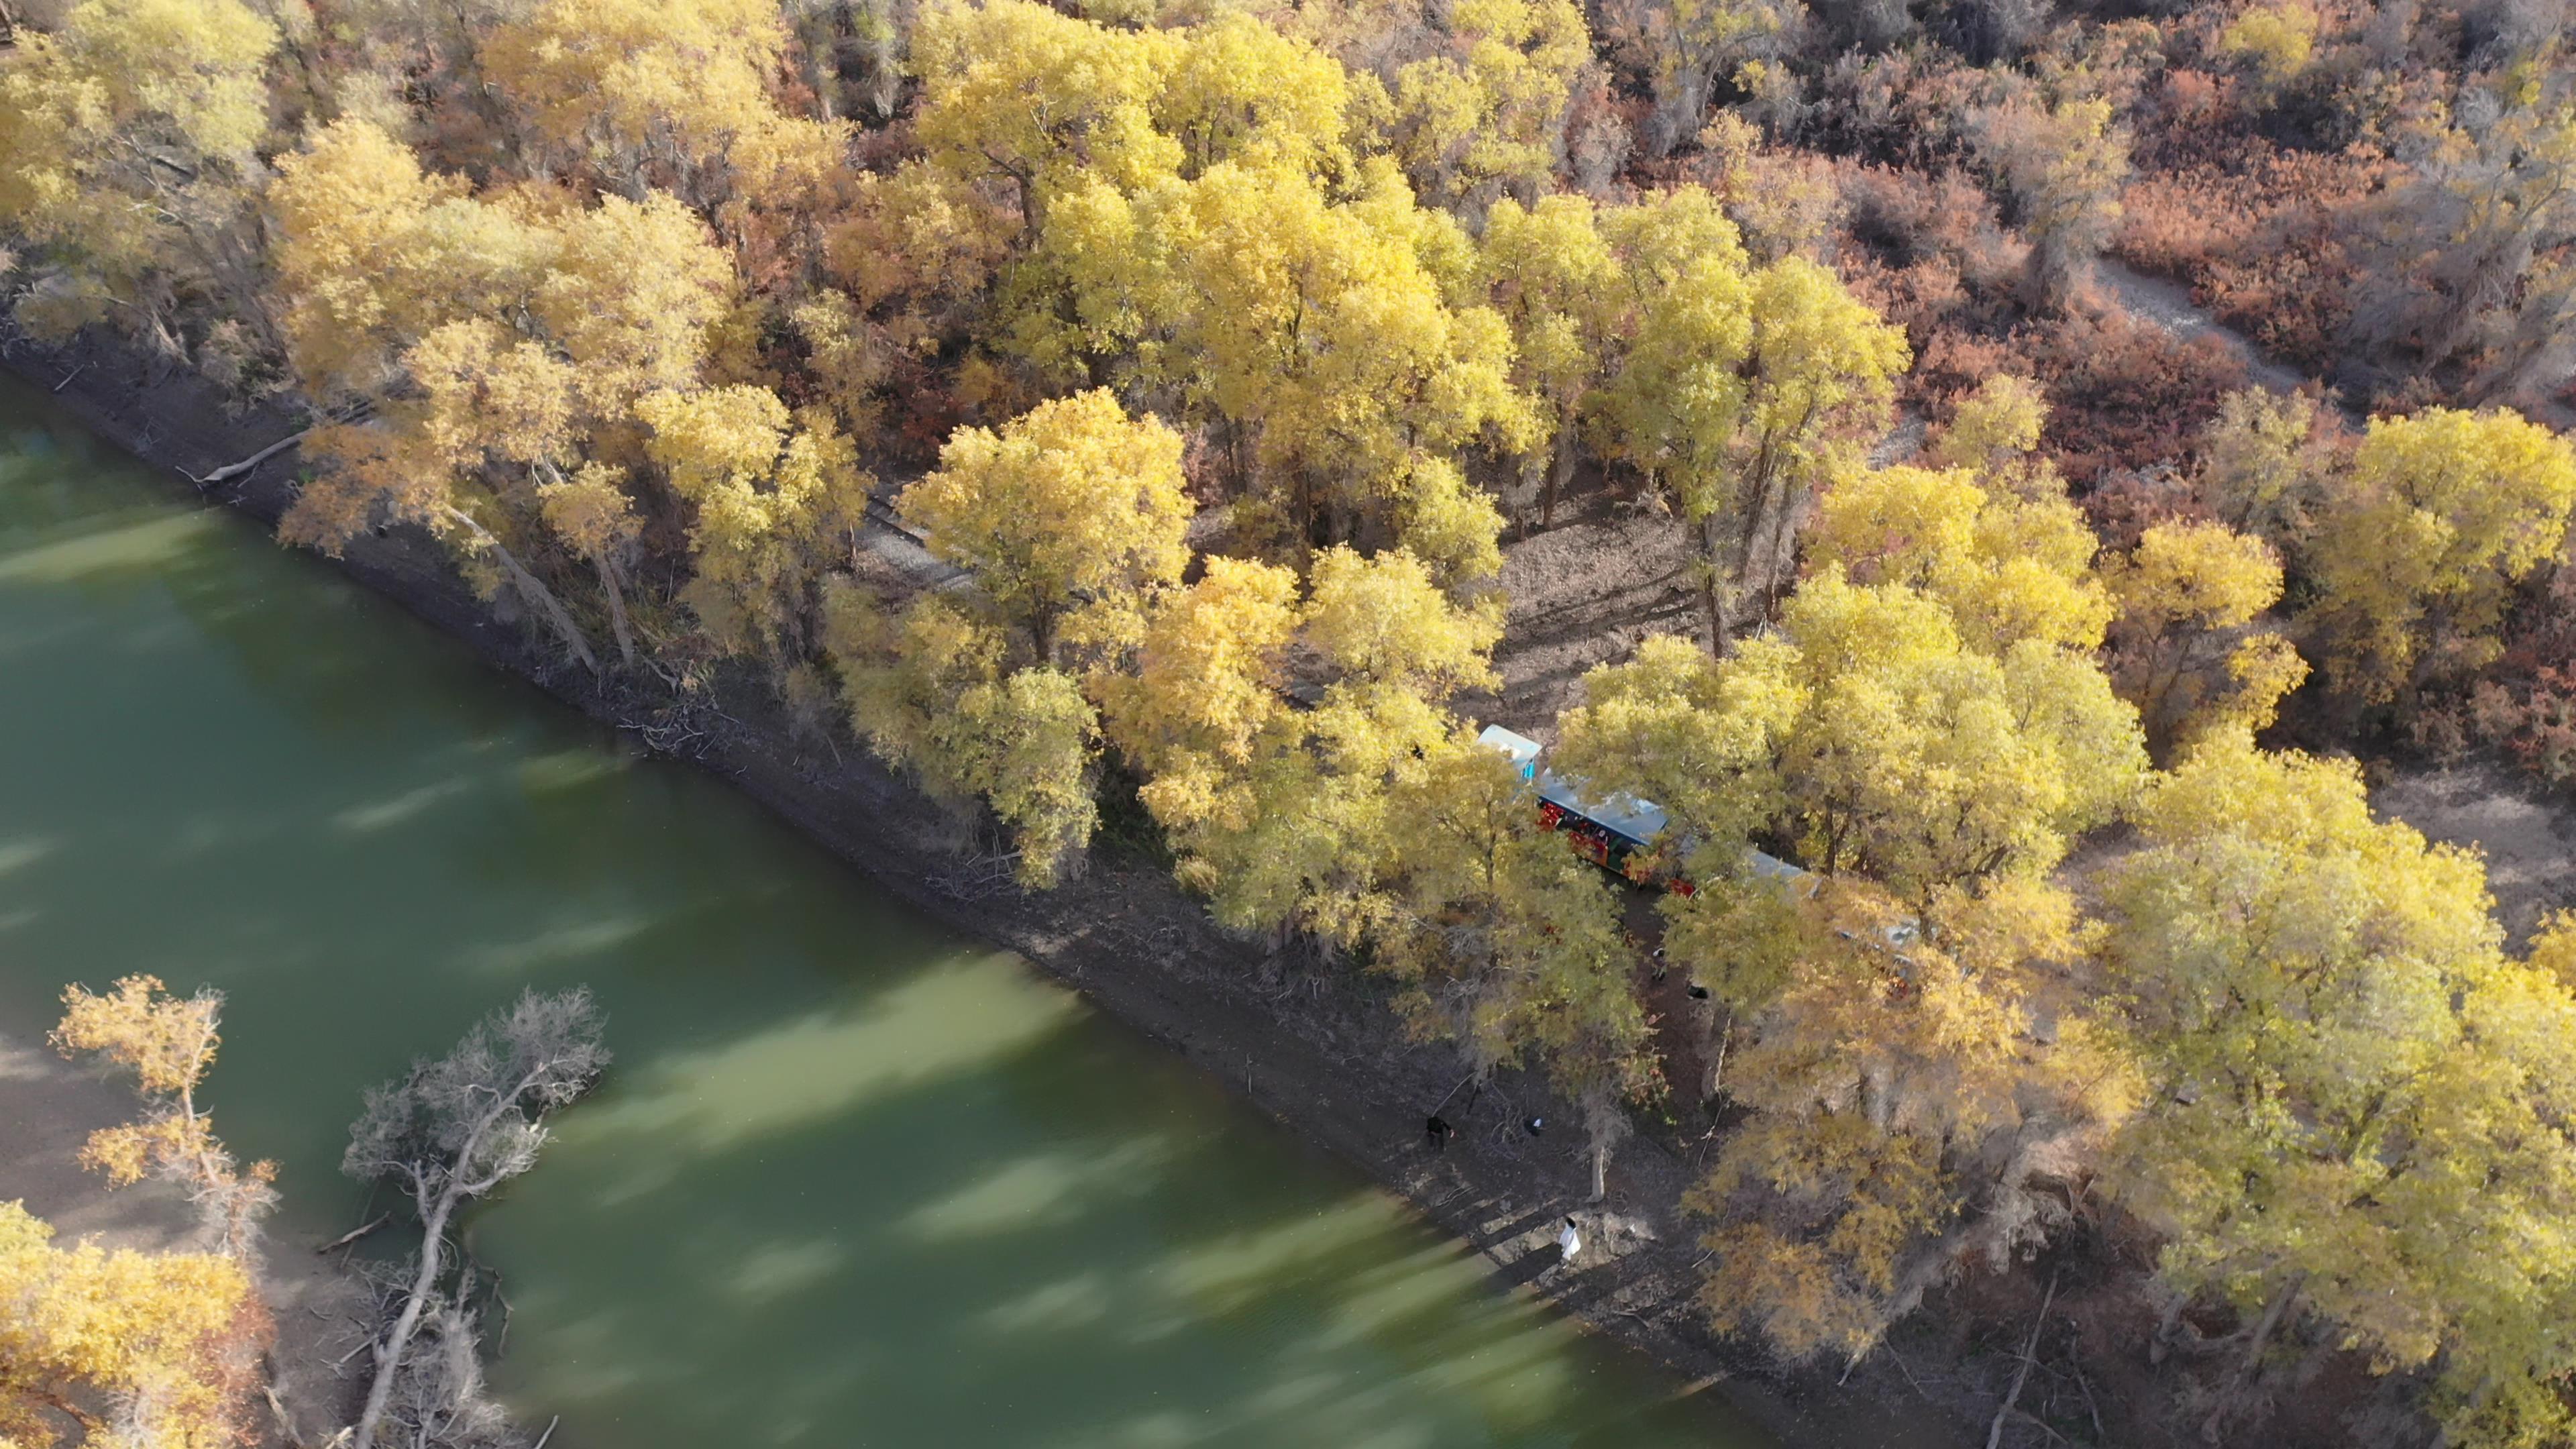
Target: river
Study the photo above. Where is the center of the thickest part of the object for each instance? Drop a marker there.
(854, 1180)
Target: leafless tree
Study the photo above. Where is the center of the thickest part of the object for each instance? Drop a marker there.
(452, 1131)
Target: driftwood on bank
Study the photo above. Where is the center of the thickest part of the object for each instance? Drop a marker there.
(2021, 1376)
(354, 1234)
(230, 471)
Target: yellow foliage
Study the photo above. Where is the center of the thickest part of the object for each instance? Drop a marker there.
(2553, 947)
(1069, 519)
(2356, 1092)
(1383, 621)
(158, 1335)
(1242, 92)
(629, 294)
(1012, 89)
(2257, 465)
(2415, 552)
(2276, 39)
(932, 692)
(1281, 814)
(372, 253)
(1927, 763)
(1487, 108)
(1996, 424)
(76, 180)
(675, 85)
(778, 500)
(1699, 737)
(1326, 329)
(1205, 685)
(2188, 656)
(2007, 568)
(168, 1043)
(1896, 1087)
(1742, 390)
(1503, 939)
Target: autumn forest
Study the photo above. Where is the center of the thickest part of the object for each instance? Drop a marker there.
(1119, 418)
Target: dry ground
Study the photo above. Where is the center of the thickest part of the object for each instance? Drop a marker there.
(1611, 572)
(2527, 835)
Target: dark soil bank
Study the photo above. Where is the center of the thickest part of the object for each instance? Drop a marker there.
(1326, 1060)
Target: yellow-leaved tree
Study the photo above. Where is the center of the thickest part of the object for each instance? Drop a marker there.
(1485, 111)
(1906, 1111)
(125, 1349)
(668, 94)
(1552, 276)
(2360, 1105)
(2008, 568)
(504, 344)
(1927, 764)
(2189, 650)
(1324, 334)
(2439, 515)
(1067, 524)
(168, 1042)
(1740, 392)
(1867, 738)
(1191, 227)
(127, 157)
(1510, 944)
(779, 499)
(1279, 812)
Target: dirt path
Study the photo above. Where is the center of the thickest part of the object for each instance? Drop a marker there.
(2169, 306)
(2528, 837)
(48, 1108)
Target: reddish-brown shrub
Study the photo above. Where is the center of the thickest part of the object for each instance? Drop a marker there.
(2128, 394)
(2533, 720)
(2263, 232)
(2129, 502)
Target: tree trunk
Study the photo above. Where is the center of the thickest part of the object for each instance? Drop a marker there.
(389, 1357)
(2270, 1323)
(530, 588)
(2161, 1343)
(433, 1237)
(1600, 1171)
(1712, 583)
(616, 609)
(1558, 472)
(230, 471)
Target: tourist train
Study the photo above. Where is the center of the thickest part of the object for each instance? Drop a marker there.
(1620, 832)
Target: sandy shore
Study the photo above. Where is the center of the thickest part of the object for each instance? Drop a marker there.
(48, 1108)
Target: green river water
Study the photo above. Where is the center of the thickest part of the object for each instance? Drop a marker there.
(854, 1180)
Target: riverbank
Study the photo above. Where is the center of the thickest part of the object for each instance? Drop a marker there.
(53, 1108)
(1331, 1065)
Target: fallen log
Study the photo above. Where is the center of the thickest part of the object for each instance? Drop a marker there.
(354, 1234)
(230, 471)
